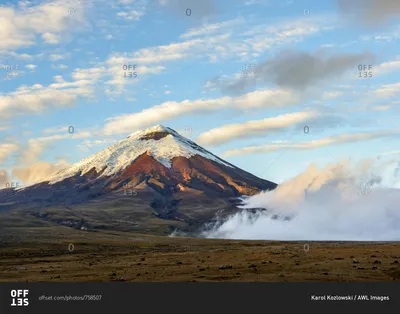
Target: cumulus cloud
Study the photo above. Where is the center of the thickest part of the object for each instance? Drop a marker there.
(147, 117)
(330, 140)
(387, 67)
(38, 172)
(21, 25)
(88, 74)
(31, 67)
(114, 72)
(339, 202)
(50, 38)
(132, 15)
(255, 128)
(36, 146)
(36, 98)
(370, 12)
(218, 44)
(6, 149)
(158, 54)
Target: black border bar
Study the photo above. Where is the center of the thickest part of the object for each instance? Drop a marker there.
(207, 298)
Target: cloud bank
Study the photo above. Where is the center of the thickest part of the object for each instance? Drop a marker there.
(338, 202)
(38, 172)
(326, 141)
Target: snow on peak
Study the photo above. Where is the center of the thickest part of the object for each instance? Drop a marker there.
(162, 143)
(154, 129)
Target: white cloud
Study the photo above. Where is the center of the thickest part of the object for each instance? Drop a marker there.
(132, 15)
(56, 57)
(331, 140)
(36, 146)
(21, 25)
(207, 29)
(36, 98)
(253, 128)
(59, 66)
(158, 54)
(88, 74)
(6, 149)
(172, 109)
(63, 129)
(50, 38)
(38, 172)
(32, 67)
(220, 41)
(222, 45)
(387, 91)
(18, 56)
(387, 67)
(341, 201)
(264, 37)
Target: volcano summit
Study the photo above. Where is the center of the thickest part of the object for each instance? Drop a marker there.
(155, 180)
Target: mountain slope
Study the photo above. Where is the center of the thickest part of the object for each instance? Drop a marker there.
(154, 177)
(160, 142)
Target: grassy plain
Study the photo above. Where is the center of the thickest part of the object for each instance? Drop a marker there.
(62, 254)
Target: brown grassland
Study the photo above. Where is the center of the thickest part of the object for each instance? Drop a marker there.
(61, 254)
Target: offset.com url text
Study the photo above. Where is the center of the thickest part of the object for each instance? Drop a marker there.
(86, 297)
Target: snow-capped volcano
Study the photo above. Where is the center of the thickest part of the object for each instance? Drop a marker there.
(159, 142)
(153, 179)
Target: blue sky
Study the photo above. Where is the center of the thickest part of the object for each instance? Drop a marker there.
(241, 78)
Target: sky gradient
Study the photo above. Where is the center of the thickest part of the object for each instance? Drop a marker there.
(270, 86)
